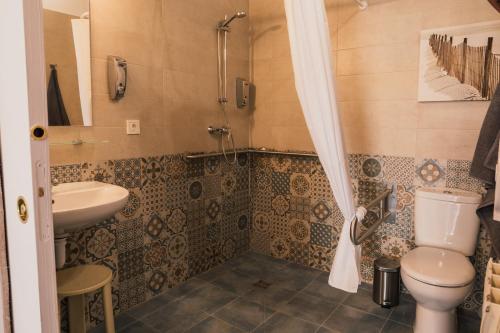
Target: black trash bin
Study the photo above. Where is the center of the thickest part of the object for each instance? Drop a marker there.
(386, 280)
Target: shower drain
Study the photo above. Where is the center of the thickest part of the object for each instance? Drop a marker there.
(262, 284)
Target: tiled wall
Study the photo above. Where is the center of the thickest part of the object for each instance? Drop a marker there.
(295, 217)
(170, 46)
(376, 60)
(182, 218)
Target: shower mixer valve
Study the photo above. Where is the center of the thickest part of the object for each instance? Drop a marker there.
(219, 130)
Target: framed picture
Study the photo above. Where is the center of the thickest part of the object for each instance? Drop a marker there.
(460, 63)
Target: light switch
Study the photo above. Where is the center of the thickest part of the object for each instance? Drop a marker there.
(133, 127)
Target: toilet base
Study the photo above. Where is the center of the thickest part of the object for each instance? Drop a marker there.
(432, 321)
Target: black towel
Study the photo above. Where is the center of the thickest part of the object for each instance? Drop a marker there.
(486, 154)
(55, 104)
(483, 168)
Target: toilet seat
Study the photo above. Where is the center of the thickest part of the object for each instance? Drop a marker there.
(438, 267)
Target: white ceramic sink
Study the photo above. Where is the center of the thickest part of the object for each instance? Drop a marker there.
(82, 204)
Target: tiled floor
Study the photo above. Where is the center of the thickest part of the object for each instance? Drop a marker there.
(255, 293)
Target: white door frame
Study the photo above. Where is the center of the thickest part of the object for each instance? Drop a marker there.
(25, 163)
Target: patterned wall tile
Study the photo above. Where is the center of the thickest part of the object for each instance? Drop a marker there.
(280, 247)
(132, 292)
(228, 183)
(178, 272)
(101, 171)
(372, 167)
(129, 235)
(399, 170)
(301, 164)
(320, 257)
(280, 205)
(154, 198)
(300, 208)
(261, 222)
(101, 240)
(431, 172)
(65, 173)
(321, 234)
(154, 227)
(281, 183)
(212, 165)
(175, 166)
(195, 168)
(153, 171)
(300, 230)
(128, 172)
(300, 185)
(176, 195)
(299, 253)
(322, 212)
(457, 176)
(260, 243)
(134, 206)
(281, 163)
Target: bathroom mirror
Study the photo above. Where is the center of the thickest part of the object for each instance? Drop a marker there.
(68, 63)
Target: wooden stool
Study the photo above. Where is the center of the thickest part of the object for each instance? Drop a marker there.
(74, 283)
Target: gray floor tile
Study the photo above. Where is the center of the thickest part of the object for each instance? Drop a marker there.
(349, 320)
(405, 312)
(289, 278)
(213, 325)
(244, 314)
(121, 321)
(280, 323)
(212, 274)
(394, 327)
(362, 300)
(308, 307)
(320, 288)
(150, 306)
(186, 287)
(272, 296)
(174, 317)
(137, 327)
(323, 329)
(235, 282)
(208, 298)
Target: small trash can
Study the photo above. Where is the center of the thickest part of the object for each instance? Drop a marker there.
(386, 282)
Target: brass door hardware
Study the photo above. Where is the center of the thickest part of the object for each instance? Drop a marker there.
(22, 209)
(38, 132)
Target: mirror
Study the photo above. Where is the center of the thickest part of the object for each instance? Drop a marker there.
(68, 62)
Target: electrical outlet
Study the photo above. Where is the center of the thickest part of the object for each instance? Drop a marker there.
(133, 127)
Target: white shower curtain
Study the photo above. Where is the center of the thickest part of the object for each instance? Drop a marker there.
(310, 47)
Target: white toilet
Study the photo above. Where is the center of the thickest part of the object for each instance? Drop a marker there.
(438, 273)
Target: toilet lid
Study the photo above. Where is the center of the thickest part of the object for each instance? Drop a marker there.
(438, 267)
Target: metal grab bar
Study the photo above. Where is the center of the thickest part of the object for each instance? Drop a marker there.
(259, 151)
(383, 201)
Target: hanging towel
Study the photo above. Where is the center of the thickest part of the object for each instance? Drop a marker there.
(486, 154)
(55, 104)
(483, 168)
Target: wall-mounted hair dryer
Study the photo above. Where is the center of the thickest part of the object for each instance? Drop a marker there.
(117, 77)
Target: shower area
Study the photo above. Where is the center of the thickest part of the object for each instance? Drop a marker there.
(231, 224)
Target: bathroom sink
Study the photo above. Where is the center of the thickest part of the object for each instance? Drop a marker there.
(82, 204)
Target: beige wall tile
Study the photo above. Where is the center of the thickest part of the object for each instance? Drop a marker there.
(376, 54)
(170, 46)
(446, 143)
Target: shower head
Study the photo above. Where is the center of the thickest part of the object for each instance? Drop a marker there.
(225, 23)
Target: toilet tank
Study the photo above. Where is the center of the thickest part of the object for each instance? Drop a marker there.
(446, 218)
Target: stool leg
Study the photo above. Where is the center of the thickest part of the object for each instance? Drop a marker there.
(107, 300)
(76, 309)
